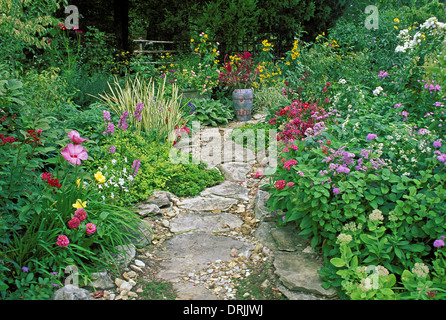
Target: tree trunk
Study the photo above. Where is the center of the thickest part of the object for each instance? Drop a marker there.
(121, 18)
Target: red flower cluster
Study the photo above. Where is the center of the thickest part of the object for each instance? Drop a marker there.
(32, 136)
(52, 182)
(280, 184)
(7, 140)
(297, 119)
(239, 73)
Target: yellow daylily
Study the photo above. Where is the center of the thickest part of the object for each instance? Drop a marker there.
(396, 20)
(99, 177)
(79, 204)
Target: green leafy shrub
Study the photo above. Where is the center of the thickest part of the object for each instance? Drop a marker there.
(210, 112)
(134, 167)
(40, 194)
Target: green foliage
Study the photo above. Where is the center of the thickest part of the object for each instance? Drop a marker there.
(247, 135)
(24, 25)
(229, 21)
(36, 211)
(268, 97)
(210, 112)
(156, 170)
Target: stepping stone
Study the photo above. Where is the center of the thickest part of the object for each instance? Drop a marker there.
(205, 222)
(211, 147)
(189, 252)
(235, 171)
(188, 291)
(261, 211)
(228, 189)
(287, 238)
(298, 272)
(233, 152)
(207, 204)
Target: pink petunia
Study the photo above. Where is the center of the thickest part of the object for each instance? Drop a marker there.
(74, 153)
(91, 228)
(62, 241)
(75, 137)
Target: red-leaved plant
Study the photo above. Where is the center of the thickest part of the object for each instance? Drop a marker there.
(239, 72)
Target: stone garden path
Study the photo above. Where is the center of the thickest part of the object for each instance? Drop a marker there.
(202, 244)
(226, 230)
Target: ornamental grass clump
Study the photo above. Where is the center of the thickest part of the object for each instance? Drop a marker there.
(145, 106)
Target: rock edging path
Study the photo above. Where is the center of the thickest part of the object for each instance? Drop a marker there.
(202, 244)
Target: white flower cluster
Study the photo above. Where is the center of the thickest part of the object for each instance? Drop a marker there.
(434, 25)
(376, 215)
(431, 26)
(351, 226)
(420, 270)
(116, 180)
(344, 238)
(377, 91)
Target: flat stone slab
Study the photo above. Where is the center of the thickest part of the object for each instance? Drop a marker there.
(287, 239)
(298, 272)
(205, 222)
(206, 204)
(190, 252)
(235, 171)
(188, 291)
(228, 189)
(260, 209)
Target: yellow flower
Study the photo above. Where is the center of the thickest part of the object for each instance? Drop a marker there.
(396, 20)
(79, 204)
(99, 177)
(395, 27)
(78, 182)
(191, 40)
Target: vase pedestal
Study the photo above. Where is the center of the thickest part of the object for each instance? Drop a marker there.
(242, 101)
